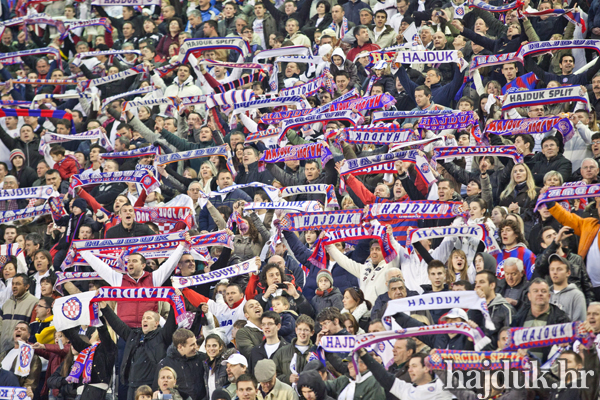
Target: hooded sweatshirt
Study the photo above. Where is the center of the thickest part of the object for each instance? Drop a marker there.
(571, 300)
(312, 380)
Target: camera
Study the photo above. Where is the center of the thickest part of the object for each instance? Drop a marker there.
(281, 286)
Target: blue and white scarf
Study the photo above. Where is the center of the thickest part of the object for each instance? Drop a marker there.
(143, 177)
(246, 267)
(323, 220)
(563, 94)
(329, 191)
(382, 116)
(298, 152)
(143, 152)
(97, 133)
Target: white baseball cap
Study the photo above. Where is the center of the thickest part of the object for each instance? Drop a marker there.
(456, 313)
(235, 359)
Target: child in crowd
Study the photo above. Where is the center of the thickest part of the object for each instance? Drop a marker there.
(327, 295)
(281, 306)
(67, 166)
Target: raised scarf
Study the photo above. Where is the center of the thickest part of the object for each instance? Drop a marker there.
(564, 94)
(475, 360)
(349, 343)
(459, 120)
(77, 60)
(322, 220)
(24, 112)
(151, 294)
(438, 301)
(103, 22)
(63, 277)
(378, 232)
(271, 134)
(378, 134)
(169, 101)
(308, 89)
(329, 191)
(24, 359)
(138, 69)
(298, 101)
(37, 192)
(276, 117)
(295, 123)
(299, 152)
(13, 393)
(196, 47)
(283, 51)
(464, 151)
(198, 153)
(417, 209)
(547, 336)
(364, 103)
(143, 177)
(568, 192)
(30, 212)
(165, 217)
(476, 231)
(532, 126)
(572, 15)
(30, 52)
(271, 191)
(143, 152)
(246, 267)
(236, 218)
(82, 365)
(297, 206)
(97, 133)
(382, 116)
(135, 92)
(432, 57)
(500, 9)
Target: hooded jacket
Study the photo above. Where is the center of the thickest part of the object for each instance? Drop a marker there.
(190, 373)
(347, 66)
(283, 358)
(312, 380)
(571, 301)
(501, 313)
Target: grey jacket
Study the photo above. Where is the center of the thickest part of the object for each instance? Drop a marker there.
(332, 299)
(571, 301)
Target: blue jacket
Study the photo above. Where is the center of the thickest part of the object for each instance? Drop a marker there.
(440, 94)
(288, 325)
(205, 221)
(342, 279)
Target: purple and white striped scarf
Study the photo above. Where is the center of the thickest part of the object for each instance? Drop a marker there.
(272, 134)
(296, 206)
(77, 60)
(547, 336)
(245, 267)
(295, 123)
(198, 153)
(531, 126)
(135, 92)
(271, 191)
(138, 69)
(568, 192)
(563, 94)
(329, 191)
(459, 120)
(97, 133)
(382, 116)
(143, 177)
(464, 151)
(31, 52)
(143, 152)
(308, 89)
(322, 220)
(104, 22)
(64, 277)
(169, 101)
(37, 192)
(378, 134)
(364, 103)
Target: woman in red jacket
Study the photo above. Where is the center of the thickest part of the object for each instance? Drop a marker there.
(175, 26)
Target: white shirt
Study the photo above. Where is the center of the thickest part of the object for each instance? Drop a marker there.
(592, 261)
(271, 348)
(258, 27)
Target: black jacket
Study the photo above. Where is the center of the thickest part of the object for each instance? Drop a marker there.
(26, 176)
(556, 316)
(259, 353)
(501, 313)
(541, 166)
(502, 287)
(328, 176)
(253, 175)
(30, 149)
(104, 359)
(190, 373)
(142, 352)
(137, 229)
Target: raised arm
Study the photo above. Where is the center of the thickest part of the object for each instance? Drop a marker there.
(111, 276)
(167, 268)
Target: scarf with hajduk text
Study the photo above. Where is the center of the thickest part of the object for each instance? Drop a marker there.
(143, 152)
(270, 103)
(349, 343)
(377, 232)
(464, 151)
(17, 55)
(364, 103)
(298, 152)
(165, 218)
(475, 360)
(532, 126)
(438, 301)
(475, 231)
(297, 206)
(38, 192)
(168, 101)
(322, 220)
(135, 92)
(382, 116)
(151, 294)
(499, 9)
(198, 153)
(564, 94)
(568, 192)
(13, 393)
(308, 89)
(143, 177)
(103, 22)
(547, 336)
(329, 191)
(97, 133)
(138, 69)
(378, 134)
(459, 120)
(246, 267)
(78, 59)
(432, 57)
(271, 191)
(82, 365)
(364, 165)
(417, 209)
(348, 116)
(32, 212)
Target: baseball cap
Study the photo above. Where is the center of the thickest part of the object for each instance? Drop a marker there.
(235, 359)
(556, 257)
(456, 313)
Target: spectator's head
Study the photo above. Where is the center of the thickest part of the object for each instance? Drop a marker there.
(280, 304)
(418, 370)
(10, 182)
(539, 295)
(187, 265)
(423, 96)
(20, 285)
(324, 280)
(486, 282)
(10, 235)
(265, 373)
(41, 168)
(119, 202)
(510, 233)
(167, 379)
(329, 319)
(311, 385)
(342, 80)
(150, 322)
(26, 133)
(514, 271)
(44, 308)
(305, 329)
(536, 111)
(185, 343)
(503, 337)
(426, 33)
(403, 350)
(432, 77)
(224, 179)
(365, 16)
(560, 271)
(4, 169)
(233, 294)
(127, 215)
(396, 288)
(136, 261)
(445, 190)
(21, 333)
(439, 40)
(236, 365)
(253, 311)
(550, 146)
(362, 369)
(566, 63)
(376, 326)
(42, 260)
(47, 285)
(337, 13)
(144, 392)
(52, 178)
(525, 143)
(17, 158)
(271, 324)
(9, 270)
(246, 387)
(436, 271)
(354, 297)
(593, 316)
(509, 70)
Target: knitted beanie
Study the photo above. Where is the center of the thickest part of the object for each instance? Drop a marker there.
(324, 273)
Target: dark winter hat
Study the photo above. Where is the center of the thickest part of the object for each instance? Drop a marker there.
(81, 204)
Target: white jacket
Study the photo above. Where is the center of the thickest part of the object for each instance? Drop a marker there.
(188, 88)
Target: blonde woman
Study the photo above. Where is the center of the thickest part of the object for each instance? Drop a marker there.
(167, 380)
(520, 194)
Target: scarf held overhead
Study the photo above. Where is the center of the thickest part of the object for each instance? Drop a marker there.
(299, 152)
(143, 177)
(322, 220)
(245, 267)
(418, 209)
(547, 336)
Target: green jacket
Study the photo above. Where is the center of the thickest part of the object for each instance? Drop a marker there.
(183, 145)
(246, 339)
(369, 388)
(283, 358)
